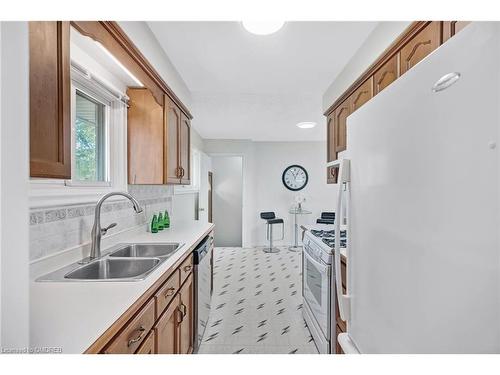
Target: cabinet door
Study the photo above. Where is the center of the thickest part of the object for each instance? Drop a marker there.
(166, 330)
(420, 46)
(340, 125)
(186, 326)
(362, 95)
(145, 138)
(330, 149)
(172, 128)
(386, 74)
(185, 150)
(148, 346)
(450, 28)
(50, 100)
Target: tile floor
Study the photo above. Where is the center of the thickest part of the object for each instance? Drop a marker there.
(257, 304)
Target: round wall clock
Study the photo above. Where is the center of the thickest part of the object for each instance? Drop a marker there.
(295, 177)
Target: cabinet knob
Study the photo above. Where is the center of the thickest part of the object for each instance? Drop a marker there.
(188, 268)
(170, 292)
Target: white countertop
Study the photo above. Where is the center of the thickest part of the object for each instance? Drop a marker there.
(72, 315)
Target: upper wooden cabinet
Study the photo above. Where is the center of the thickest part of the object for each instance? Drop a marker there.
(331, 154)
(340, 125)
(153, 145)
(362, 95)
(172, 125)
(185, 150)
(416, 42)
(50, 103)
(420, 46)
(158, 140)
(145, 138)
(386, 74)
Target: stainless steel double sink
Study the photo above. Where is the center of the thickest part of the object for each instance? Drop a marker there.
(124, 262)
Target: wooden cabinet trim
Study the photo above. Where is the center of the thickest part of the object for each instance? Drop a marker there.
(105, 338)
(111, 35)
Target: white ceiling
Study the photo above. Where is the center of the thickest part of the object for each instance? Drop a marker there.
(247, 86)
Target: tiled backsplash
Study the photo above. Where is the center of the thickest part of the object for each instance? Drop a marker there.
(59, 228)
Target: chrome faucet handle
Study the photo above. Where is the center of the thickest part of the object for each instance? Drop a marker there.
(105, 230)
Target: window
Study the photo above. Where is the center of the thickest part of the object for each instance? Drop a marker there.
(99, 146)
(90, 139)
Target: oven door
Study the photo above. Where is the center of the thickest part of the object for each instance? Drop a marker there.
(316, 290)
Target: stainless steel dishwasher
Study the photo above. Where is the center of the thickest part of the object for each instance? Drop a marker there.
(203, 286)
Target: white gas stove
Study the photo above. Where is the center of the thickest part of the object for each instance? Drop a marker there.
(318, 286)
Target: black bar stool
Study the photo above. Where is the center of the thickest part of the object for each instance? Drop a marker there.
(326, 218)
(271, 219)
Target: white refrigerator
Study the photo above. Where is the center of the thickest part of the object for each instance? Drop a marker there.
(421, 204)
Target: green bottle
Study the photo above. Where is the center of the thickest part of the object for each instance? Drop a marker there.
(166, 220)
(161, 222)
(154, 224)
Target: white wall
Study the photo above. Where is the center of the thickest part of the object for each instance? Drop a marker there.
(140, 33)
(14, 185)
(380, 38)
(228, 199)
(263, 190)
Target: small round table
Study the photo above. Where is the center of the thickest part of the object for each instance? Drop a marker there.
(296, 211)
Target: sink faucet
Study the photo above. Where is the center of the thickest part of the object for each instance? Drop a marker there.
(97, 231)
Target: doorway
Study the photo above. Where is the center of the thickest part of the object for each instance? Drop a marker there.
(210, 196)
(227, 195)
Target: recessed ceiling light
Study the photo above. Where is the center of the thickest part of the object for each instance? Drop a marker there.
(306, 125)
(262, 27)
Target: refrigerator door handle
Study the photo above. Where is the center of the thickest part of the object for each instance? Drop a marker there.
(343, 299)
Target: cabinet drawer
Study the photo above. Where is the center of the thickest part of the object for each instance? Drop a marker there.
(167, 292)
(148, 346)
(134, 332)
(186, 267)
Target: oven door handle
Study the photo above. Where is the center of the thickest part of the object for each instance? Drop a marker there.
(343, 299)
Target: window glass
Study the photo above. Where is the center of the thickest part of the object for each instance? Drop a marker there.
(90, 133)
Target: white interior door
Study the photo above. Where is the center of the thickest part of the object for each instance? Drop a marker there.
(205, 165)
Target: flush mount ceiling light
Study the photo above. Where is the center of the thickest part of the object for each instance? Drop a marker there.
(306, 125)
(262, 27)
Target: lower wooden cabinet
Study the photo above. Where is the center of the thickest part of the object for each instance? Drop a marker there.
(166, 329)
(161, 321)
(186, 326)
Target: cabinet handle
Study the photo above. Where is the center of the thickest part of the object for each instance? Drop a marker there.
(180, 315)
(182, 172)
(138, 338)
(187, 268)
(170, 292)
(184, 310)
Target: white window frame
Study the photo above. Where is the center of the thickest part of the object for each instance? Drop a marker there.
(57, 192)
